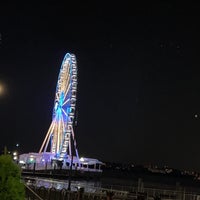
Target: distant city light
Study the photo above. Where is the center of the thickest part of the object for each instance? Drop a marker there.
(21, 162)
(32, 159)
(81, 159)
(15, 157)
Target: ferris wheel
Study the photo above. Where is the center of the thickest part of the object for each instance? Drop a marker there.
(61, 133)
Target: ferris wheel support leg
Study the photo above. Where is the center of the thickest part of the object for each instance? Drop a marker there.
(76, 150)
(70, 146)
(45, 149)
(47, 135)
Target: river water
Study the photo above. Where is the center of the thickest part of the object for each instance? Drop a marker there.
(89, 186)
(97, 186)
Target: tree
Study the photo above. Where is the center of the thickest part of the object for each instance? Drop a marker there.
(10, 186)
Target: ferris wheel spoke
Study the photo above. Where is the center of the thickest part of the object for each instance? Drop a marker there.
(63, 131)
(59, 136)
(65, 113)
(67, 90)
(64, 83)
(66, 102)
(62, 128)
(67, 81)
(63, 124)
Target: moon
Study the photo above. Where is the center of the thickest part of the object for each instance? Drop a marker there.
(2, 89)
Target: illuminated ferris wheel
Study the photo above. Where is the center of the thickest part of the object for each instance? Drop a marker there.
(61, 134)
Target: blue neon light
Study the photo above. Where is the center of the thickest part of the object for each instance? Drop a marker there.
(62, 112)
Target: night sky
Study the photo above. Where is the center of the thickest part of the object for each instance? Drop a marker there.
(138, 78)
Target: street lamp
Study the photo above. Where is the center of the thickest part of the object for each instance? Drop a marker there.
(15, 156)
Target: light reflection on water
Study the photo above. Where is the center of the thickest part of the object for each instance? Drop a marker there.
(89, 186)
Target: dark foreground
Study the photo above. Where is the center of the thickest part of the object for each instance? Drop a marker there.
(119, 184)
